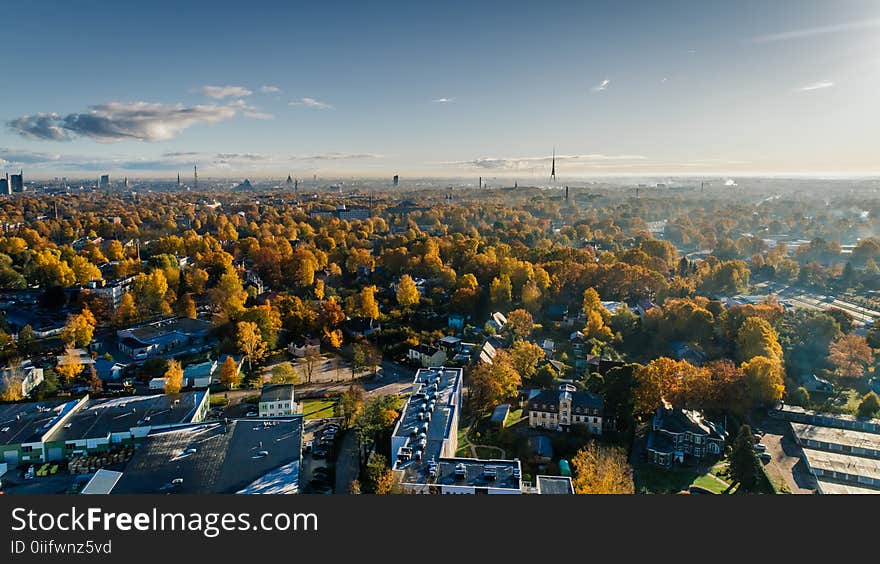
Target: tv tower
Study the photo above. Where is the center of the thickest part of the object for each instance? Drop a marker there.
(553, 167)
(178, 181)
(195, 177)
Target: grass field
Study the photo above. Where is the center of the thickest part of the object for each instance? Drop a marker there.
(318, 408)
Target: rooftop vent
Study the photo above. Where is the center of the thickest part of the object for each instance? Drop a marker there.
(460, 470)
(176, 481)
(490, 472)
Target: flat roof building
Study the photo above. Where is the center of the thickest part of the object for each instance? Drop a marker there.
(24, 427)
(247, 456)
(100, 423)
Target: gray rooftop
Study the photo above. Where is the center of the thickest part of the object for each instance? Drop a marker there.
(276, 392)
(102, 417)
(555, 485)
(239, 456)
(464, 472)
(27, 422)
(843, 463)
(429, 412)
(831, 435)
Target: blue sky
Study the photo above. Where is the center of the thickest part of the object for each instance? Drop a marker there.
(446, 88)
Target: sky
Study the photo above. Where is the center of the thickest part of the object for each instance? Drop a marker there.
(266, 89)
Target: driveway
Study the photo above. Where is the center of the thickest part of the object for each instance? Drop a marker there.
(786, 465)
(347, 462)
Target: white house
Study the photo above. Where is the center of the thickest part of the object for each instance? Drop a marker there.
(277, 400)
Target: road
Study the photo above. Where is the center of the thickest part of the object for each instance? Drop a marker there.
(786, 464)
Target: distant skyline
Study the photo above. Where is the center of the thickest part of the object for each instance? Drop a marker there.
(452, 89)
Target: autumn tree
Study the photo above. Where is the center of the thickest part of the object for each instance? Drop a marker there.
(501, 292)
(492, 383)
(763, 377)
(186, 307)
(150, 290)
(520, 323)
(351, 404)
(525, 355)
(250, 342)
(79, 329)
(850, 355)
(600, 469)
(173, 377)
(229, 295)
(407, 292)
(757, 337)
(10, 384)
(230, 375)
(69, 366)
(363, 304)
(127, 312)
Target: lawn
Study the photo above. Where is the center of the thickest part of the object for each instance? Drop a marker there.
(514, 417)
(464, 445)
(318, 408)
(651, 479)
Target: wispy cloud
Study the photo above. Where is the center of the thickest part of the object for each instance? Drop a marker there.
(602, 86)
(177, 160)
(259, 115)
(120, 121)
(525, 163)
(269, 89)
(220, 92)
(337, 156)
(311, 103)
(815, 86)
(443, 100)
(819, 30)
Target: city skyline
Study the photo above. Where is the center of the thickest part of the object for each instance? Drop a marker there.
(460, 91)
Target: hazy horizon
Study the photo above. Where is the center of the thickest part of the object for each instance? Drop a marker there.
(460, 90)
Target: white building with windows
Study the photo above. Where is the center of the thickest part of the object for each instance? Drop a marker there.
(276, 400)
(561, 409)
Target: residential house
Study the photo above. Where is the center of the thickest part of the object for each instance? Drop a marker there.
(676, 433)
(305, 346)
(277, 400)
(563, 408)
(361, 326)
(26, 376)
(498, 321)
(426, 356)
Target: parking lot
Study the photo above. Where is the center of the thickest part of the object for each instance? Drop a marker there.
(786, 466)
(318, 466)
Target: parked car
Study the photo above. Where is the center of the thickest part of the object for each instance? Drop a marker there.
(319, 452)
(308, 446)
(765, 457)
(251, 414)
(760, 448)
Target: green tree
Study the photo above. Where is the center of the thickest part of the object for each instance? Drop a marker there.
(869, 406)
(744, 463)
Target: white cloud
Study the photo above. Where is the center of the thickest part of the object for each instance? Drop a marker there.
(819, 30)
(259, 115)
(269, 89)
(443, 100)
(121, 121)
(525, 163)
(815, 86)
(220, 92)
(601, 86)
(311, 103)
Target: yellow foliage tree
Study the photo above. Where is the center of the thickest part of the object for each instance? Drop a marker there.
(173, 377)
(602, 470)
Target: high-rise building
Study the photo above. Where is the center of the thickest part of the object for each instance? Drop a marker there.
(16, 182)
(553, 167)
(105, 182)
(396, 180)
(195, 177)
(5, 186)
